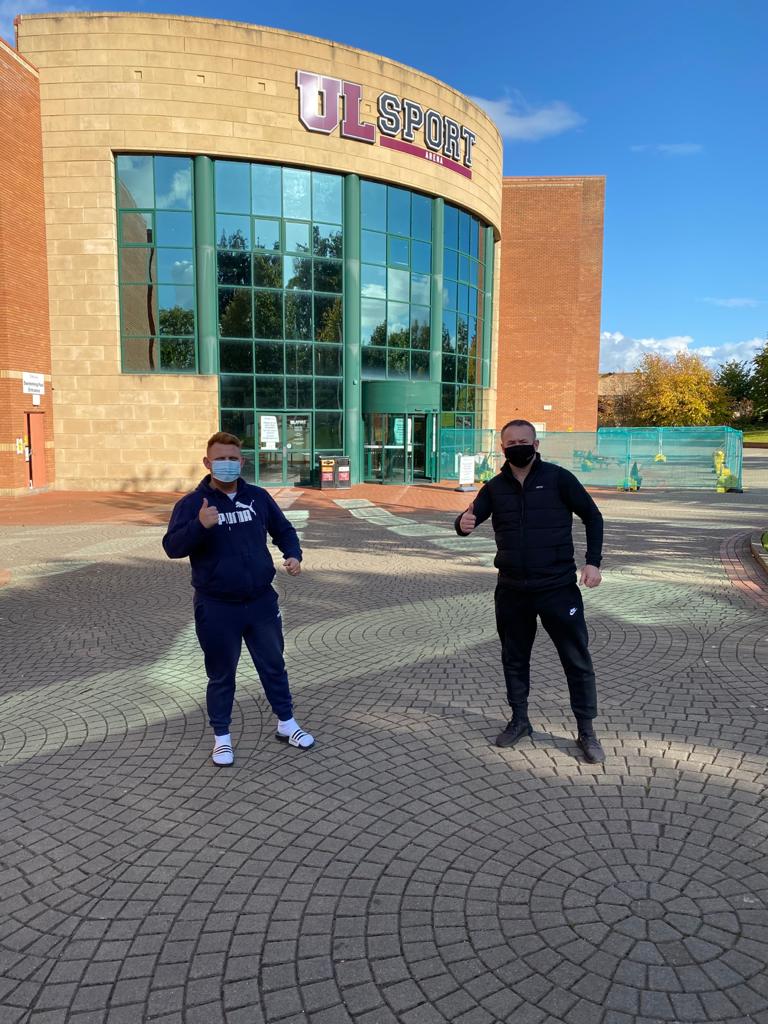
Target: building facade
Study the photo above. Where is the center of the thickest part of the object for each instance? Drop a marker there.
(265, 233)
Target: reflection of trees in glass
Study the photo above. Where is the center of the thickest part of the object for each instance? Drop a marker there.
(448, 345)
(329, 320)
(397, 362)
(235, 313)
(177, 320)
(326, 245)
(302, 273)
(420, 334)
(177, 354)
(298, 316)
(267, 318)
(379, 334)
(234, 268)
(327, 276)
(235, 240)
(462, 335)
(267, 271)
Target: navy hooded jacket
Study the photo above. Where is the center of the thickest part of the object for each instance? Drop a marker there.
(533, 524)
(231, 561)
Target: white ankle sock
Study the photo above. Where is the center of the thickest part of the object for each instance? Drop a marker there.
(286, 728)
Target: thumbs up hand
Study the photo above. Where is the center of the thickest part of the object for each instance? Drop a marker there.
(468, 522)
(208, 516)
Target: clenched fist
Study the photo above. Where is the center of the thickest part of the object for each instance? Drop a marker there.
(292, 566)
(468, 522)
(208, 516)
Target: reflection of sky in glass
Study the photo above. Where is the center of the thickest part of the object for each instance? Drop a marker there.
(135, 174)
(397, 285)
(173, 183)
(175, 266)
(373, 282)
(372, 313)
(176, 295)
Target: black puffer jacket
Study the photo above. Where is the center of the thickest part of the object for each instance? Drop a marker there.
(533, 524)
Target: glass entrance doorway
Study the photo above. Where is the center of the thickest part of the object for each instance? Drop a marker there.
(399, 447)
(284, 454)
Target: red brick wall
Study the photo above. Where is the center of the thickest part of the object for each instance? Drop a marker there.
(549, 301)
(24, 325)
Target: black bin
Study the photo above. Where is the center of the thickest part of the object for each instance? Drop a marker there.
(333, 472)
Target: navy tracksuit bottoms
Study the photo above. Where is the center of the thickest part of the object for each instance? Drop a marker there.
(562, 615)
(221, 627)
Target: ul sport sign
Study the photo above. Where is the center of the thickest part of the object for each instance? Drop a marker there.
(445, 141)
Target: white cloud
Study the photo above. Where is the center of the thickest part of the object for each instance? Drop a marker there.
(10, 8)
(619, 353)
(670, 148)
(519, 121)
(735, 303)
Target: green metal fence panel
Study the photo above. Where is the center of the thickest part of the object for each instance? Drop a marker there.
(621, 458)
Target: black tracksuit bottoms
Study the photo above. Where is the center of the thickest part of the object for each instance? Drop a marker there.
(561, 611)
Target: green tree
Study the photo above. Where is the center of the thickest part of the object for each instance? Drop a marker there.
(736, 380)
(678, 392)
(759, 393)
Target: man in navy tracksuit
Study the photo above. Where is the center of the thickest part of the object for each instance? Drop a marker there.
(532, 505)
(222, 526)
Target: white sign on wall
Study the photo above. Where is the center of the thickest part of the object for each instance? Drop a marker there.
(32, 383)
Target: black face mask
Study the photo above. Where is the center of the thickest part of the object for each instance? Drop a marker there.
(520, 454)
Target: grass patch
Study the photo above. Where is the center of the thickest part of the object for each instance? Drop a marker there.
(757, 435)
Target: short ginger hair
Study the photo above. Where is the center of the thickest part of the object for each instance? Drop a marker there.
(222, 437)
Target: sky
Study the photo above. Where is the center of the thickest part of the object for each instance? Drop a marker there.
(666, 98)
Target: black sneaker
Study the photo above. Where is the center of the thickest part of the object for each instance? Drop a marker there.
(591, 748)
(516, 729)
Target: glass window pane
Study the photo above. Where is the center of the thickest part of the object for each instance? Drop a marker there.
(173, 183)
(374, 247)
(462, 364)
(269, 393)
(421, 218)
(239, 423)
(296, 194)
(449, 332)
(398, 324)
(450, 295)
(451, 227)
(329, 319)
(474, 238)
(449, 367)
(398, 255)
(140, 355)
(398, 363)
(176, 309)
(174, 229)
(232, 187)
(232, 267)
(267, 271)
(236, 391)
(327, 240)
(464, 220)
(373, 322)
(266, 191)
(328, 430)
(448, 396)
(420, 327)
(138, 265)
(373, 282)
(298, 358)
(138, 306)
(297, 273)
(473, 272)
(374, 363)
(328, 360)
(450, 264)
(472, 331)
(420, 288)
(462, 334)
(235, 313)
(298, 316)
(177, 355)
(326, 197)
(463, 268)
(298, 392)
(328, 394)
(269, 357)
(296, 237)
(328, 275)
(463, 298)
(421, 257)
(135, 187)
(267, 315)
(236, 357)
(136, 228)
(373, 206)
(266, 234)
(397, 285)
(233, 232)
(175, 266)
(419, 364)
(398, 211)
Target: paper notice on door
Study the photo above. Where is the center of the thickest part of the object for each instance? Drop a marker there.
(269, 432)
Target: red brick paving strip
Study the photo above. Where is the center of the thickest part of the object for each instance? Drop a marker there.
(741, 568)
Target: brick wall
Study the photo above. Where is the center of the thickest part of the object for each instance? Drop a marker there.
(549, 301)
(24, 325)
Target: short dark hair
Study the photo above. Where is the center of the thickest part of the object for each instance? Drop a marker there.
(222, 437)
(519, 423)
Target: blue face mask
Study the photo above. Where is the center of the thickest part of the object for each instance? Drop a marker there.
(226, 471)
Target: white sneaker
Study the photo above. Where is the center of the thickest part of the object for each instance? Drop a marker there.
(223, 754)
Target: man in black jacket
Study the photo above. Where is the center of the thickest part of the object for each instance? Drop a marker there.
(532, 504)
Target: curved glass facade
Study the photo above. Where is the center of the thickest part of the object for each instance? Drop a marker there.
(283, 279)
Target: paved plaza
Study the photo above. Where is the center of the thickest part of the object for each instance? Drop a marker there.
(404, 871)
